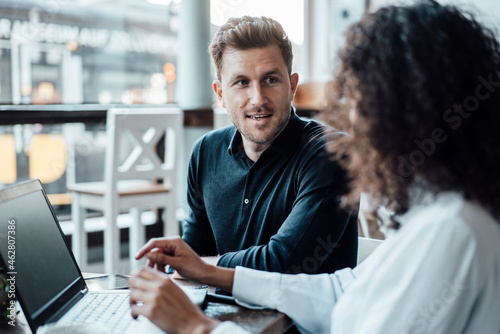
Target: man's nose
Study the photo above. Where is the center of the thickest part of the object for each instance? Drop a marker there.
(257, 96)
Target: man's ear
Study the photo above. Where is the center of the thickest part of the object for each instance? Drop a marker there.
(294, 82)
(217, 87)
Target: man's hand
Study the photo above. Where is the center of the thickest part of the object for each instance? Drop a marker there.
(158, 298)
(175, 252)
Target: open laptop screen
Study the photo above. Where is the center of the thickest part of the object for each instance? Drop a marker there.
(43, 265)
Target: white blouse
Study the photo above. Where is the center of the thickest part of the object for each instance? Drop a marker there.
(439, 273)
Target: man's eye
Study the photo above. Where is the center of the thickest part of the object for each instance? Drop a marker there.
(242, 82)
(271, 80)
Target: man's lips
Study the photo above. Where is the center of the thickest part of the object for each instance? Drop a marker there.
(259, 117)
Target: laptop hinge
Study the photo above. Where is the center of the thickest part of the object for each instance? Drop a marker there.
(62, 311)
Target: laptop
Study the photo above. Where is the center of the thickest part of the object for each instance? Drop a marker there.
(48, 283)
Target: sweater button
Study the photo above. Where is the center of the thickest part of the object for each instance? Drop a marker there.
(246, 201)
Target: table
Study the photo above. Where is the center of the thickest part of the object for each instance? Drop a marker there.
(254, 321)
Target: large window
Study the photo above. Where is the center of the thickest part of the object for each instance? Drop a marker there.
(88, 51)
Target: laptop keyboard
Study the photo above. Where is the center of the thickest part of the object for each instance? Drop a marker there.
(112, 310)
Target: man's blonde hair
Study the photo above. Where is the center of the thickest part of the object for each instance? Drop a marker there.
(248, 32)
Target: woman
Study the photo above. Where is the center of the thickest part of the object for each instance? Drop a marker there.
(418, 87)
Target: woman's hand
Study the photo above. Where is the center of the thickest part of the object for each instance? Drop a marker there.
(154, 295)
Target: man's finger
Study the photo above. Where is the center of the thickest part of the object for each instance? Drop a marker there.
(162, 260)
(152, 264)
(163, 244)
(156, 258)
(160, 267)
(151, 244)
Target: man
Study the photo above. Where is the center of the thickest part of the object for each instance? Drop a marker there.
(260, 191)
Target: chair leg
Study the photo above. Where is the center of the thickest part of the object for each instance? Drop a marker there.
(111, 242)
(79, 239)
(170, 224)
(137, 237)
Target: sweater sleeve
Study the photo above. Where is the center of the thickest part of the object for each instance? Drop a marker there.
(197, 231)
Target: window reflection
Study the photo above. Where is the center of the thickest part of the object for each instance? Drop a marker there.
(83, 51)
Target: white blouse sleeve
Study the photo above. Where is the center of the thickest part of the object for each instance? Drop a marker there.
(307, 299)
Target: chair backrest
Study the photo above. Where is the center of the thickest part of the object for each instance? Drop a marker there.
(366, 246)
(139, 132)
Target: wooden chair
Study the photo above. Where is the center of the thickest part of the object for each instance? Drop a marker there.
(131, 180)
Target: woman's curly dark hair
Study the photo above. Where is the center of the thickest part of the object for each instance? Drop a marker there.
(421, 84)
